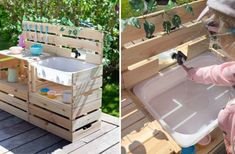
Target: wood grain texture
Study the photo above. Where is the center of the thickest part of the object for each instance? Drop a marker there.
(21, 137)
(156, 45)
(56, 29)
(60, 39)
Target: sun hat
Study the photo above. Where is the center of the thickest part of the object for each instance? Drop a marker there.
(226, 7)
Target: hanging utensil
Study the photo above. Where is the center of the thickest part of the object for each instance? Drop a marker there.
(35, 36)
(30, 27)
(41, 34)
(46, 40)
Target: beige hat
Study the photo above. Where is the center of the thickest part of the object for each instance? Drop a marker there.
(224, 6)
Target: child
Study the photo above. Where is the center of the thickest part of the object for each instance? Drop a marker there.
(222, 25)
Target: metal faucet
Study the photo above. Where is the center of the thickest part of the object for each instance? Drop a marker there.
(180, 57)
(77, 54)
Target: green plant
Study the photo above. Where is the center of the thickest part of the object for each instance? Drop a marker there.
(150, 6)
(99, 14)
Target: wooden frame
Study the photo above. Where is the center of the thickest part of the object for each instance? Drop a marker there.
(59, 40)
(71, 120)
(141, 60)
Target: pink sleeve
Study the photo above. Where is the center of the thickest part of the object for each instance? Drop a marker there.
(223, 74)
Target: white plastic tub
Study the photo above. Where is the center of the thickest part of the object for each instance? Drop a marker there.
(61, 69)
(187, 110)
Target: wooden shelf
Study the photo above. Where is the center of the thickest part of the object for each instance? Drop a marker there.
(17, 89)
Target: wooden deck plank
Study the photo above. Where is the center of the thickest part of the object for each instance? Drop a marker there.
(15, 130)
(128, 109)
(113, 150)
(22, 139)
(132, 118)
(152, 146)
(4, 115)
(125, 99)
(10, 121)
(135, 127)
(110, 119)
(54, 147)
(37, 145)
(100, 144)
(105, 127)
(18, 136)
(108, 127)
(138, 129)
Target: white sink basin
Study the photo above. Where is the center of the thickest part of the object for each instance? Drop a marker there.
(187, 110)
(60, 69)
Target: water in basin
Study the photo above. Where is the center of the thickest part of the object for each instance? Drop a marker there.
(187, 110)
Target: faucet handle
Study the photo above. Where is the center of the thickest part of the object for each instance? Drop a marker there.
(77, 54)
(180, 57)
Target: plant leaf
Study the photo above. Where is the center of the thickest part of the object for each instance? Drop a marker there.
(70, 32)
(137, 5)
(123, 24)
(133, 21)
(167, 26)
(151, 5)
(176, 21)
(75, 32)
(189, 9)
(149, 29)
(170, 5)
(62, 29)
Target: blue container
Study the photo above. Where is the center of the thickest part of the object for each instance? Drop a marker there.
(36, 49)
(189, 150)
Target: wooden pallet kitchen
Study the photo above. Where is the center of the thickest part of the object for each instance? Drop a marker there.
(79, 116)
(141, 133)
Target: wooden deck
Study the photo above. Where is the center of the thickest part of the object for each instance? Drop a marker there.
(140, 134)
(143, 135)
(20, 137)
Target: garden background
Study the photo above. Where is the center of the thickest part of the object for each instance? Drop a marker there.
(101, 14)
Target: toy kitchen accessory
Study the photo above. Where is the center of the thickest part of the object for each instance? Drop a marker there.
(36, 49)
(67, 96)
(12, 75)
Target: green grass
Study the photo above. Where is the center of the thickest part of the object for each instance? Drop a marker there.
(110, 99)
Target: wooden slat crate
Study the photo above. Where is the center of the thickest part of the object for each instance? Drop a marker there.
(140, 54)
(71, 120)
(59, 40)
(141, 60)
(14, 96)
(80, 116)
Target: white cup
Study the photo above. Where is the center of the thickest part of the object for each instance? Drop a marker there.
(67, 96)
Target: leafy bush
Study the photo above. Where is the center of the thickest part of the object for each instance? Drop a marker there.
(102, 14)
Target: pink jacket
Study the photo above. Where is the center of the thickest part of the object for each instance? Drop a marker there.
(222, 75)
